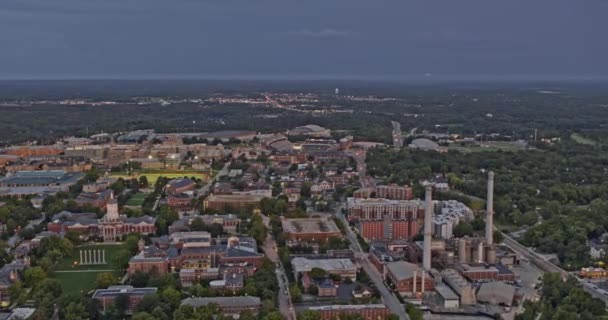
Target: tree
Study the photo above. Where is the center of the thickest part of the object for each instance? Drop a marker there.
(148, 303)
(34, 276)
(172, 297)
(295, 293)
(274, 315)
(139, 279)
(143, 181)
(76, 311)
(317, 273)
(143, 316)
(309, 315)
(105, 279)
(497, 236)
(413, 312)
(463, 229)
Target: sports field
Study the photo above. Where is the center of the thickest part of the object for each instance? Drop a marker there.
(582, 140)
(77, 278)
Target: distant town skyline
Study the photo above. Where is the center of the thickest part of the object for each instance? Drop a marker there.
(184, 39)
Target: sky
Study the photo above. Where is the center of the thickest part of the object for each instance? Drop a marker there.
(302, 39)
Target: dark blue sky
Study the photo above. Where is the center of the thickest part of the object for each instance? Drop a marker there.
(325, 38)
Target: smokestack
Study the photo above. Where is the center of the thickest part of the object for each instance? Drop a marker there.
(428, 217)
(490, 209)
(414, 291)
(422, 280)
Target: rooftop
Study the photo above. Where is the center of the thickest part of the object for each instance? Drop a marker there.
(306, 265)
(128, 290)
(223, 301)
(402, 269)
(309, 225)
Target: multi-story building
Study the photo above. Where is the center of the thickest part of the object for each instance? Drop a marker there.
(391, 192)
(231, 306)
(447, 215)
(382, 219)
(345, 268)
(394, 192)
(229, 222)
(180, 201)
(93, 152)
(110, 228)
(94, 199)
(107, 297)
(310, 229)
(365, 311)
(196, 256)
(235, 202)
(177, 186)
(29, 151)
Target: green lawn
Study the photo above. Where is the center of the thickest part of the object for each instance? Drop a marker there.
(491, 146)
(152, 176)
(75, 278)
(137, 200)
(582, 140)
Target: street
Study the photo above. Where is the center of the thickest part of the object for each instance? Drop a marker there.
(270, 250)
(397, 135)
(387, 296)
(550, 267)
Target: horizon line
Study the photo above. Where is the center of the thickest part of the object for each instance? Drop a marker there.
(315, 77)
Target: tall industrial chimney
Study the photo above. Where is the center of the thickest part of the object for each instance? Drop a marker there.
(490, 209)
(428, 218)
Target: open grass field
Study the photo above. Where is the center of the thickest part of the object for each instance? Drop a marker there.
(582, 140)
(153, 176)
(76, 278)
(137, 200)
(491, 146)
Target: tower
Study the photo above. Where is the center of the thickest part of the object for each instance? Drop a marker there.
(490, 209)
(112, 209)
(428, 218)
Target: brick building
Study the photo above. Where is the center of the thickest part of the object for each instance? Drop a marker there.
(382, 219)
(482, 272)
(394, 192)
(196, 256)
(231, 306)
(366, 311)
(236, 202)
(310, 229)
(407, 278)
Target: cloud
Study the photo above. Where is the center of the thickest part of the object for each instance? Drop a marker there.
(323, 33)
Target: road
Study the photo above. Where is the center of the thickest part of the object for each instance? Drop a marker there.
(362, 257)
(550, 267)
(359, 157)
(205, 188)
(270, 250)
(397, 135)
